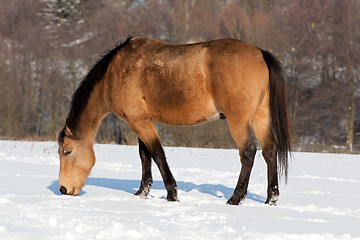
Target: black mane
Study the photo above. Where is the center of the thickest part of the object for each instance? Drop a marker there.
(86, 86)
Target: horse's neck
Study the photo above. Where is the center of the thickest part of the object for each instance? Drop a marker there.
(93, 113)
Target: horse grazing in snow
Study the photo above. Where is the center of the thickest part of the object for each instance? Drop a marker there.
(144, 80)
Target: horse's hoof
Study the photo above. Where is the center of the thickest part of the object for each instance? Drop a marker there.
(141, 196)
(271, 202)
(142, 193)
(272, 199)
(172, 199)
(233, 201)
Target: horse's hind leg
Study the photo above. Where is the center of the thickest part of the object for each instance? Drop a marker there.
(262, 131)
(146, 180)
(240, 131)
(247, 161)
(270, 155)
(146, 131)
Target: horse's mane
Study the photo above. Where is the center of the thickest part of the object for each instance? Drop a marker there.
(86, 86)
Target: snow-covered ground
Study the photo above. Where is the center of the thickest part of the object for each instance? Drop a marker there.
(320, 201)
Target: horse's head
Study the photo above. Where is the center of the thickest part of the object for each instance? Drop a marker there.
(76, 160)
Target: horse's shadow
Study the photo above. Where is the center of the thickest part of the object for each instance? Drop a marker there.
(131, 186)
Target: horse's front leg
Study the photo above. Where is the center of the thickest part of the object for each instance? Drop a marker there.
(150, 147)
(146, 180)
(158, 155)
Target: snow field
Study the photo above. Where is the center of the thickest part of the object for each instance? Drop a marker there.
(320, 201)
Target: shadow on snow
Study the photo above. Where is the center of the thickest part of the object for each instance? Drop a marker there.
(131, 186)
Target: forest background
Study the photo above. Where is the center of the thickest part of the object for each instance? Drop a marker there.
(47, 46)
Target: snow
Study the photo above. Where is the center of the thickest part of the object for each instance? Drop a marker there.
(320, 201)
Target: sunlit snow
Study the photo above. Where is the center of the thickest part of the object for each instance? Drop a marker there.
(320, 201)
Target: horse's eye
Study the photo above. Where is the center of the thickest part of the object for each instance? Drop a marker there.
(67, 153)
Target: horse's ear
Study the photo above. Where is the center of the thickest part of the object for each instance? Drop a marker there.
(68, 130)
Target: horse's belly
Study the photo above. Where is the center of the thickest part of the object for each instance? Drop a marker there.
(194, 111)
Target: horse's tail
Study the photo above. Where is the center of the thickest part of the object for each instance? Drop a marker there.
(279, 117)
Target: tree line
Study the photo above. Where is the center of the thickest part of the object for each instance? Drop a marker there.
(47, 46)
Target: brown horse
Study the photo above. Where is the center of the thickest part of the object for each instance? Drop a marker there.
(144, 80)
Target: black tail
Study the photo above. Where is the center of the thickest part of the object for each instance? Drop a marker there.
(279, 118)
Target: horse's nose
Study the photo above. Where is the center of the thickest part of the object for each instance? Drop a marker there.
(63, 190)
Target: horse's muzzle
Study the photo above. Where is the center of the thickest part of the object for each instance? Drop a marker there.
(63, 190)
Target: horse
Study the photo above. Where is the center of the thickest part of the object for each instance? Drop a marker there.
(144, 80)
